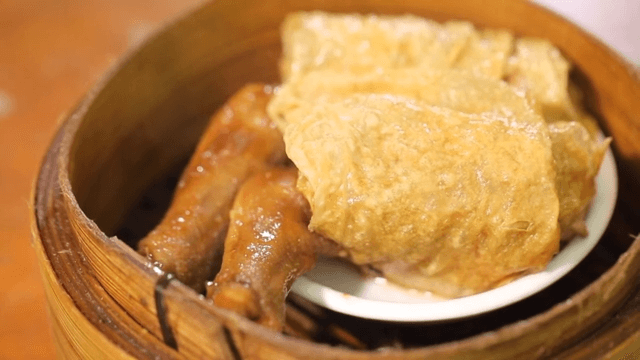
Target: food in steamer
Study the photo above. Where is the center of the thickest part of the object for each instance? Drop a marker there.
(446, 158)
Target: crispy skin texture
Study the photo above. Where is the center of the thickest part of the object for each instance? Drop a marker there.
(404, 132)
(578, 158)
(363, 43)
(240, 141)
(406, 186)
(486, 53)
(453, 89)
(267, 247)
(539, 69)
(524, 83)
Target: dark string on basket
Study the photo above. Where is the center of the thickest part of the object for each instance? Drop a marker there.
(235, 352)
(167, 334)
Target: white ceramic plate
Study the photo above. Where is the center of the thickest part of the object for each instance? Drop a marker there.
(338, 286)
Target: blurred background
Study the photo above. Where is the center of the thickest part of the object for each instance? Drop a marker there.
(615, 22)
(51, 52)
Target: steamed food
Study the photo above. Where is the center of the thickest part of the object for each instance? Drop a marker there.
(363, 43)
(578, 160)
(447, 158)
(539, 69)
(435, 208)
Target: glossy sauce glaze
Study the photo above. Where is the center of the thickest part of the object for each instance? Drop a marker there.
(240, 141)
(267, 247)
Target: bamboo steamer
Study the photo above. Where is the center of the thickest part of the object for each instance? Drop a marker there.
(140, 123)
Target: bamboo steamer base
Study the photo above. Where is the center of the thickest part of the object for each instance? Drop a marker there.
(136, 128)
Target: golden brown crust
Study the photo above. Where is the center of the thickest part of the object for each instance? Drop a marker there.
(346, 109)
(355, 43)
(578, 158)
(395, 180)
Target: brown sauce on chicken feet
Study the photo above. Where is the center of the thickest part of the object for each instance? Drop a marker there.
(267, 247)
(240, 141)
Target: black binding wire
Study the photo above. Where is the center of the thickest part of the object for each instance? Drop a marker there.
(235, 352)
(161, 309)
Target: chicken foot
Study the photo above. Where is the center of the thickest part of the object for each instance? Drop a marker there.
(268, 246)
(240, 141)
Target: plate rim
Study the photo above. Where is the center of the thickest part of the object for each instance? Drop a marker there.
(576, 250)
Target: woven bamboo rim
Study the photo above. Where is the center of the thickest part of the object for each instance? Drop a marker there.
(143, 119)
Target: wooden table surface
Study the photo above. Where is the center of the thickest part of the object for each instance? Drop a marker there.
(51, 52)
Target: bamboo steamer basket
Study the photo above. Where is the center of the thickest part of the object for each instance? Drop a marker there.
(139, 124)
